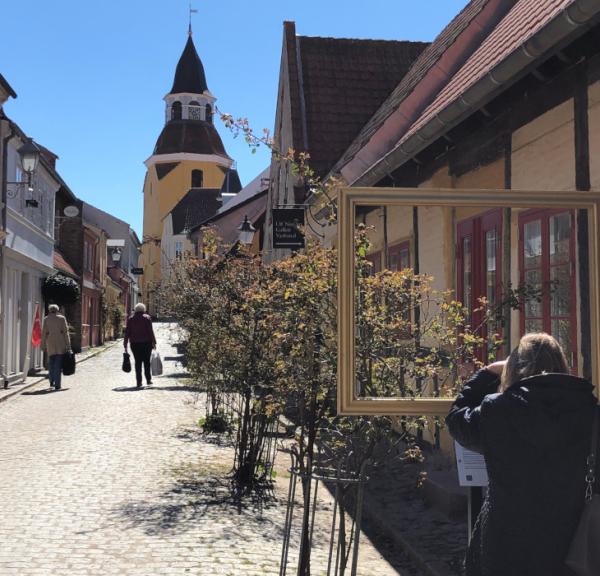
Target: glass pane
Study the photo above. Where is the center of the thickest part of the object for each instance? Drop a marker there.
(490, 244)
(533, 286)
(560, 238)
(532, 245)
(561, 330)
(533, 325)
(560, 290)
(404, 260)
(467, 288)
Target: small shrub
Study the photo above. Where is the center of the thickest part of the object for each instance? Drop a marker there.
(218, 423)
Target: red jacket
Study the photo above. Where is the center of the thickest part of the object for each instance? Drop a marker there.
(139, 329)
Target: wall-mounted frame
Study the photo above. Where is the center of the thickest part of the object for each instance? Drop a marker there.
(349, 199)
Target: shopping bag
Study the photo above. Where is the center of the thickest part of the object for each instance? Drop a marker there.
(68, 364)
(156, 364)
(126, 367)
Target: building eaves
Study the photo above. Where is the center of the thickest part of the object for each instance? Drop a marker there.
(44, 161)
(526, 36)
(7, 87)
(427, 76)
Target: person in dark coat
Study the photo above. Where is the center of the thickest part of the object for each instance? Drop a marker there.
(140, 334)
(532, 421)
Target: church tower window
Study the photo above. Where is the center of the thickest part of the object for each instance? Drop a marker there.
(176, 110)
(209, 114)
(197, 179)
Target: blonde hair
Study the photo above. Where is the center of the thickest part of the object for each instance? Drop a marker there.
(537, 353)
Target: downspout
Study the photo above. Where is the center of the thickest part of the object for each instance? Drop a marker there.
(575, 16)
(4, 220)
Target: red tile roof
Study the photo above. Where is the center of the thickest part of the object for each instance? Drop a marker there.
(344, 81)
(61, 264)
(423, 66)
(525, 19)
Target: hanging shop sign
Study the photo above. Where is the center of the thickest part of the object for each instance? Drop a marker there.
(287, 228)
(137, 271)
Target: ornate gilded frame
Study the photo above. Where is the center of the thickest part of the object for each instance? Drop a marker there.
(349, 198)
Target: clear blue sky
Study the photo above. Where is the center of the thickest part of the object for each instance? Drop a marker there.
(90, 75)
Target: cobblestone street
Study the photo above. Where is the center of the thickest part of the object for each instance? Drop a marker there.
(102, 478)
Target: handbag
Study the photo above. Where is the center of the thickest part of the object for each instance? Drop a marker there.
(584, 553)
(68, 364)
(156, 364)
(126, 366)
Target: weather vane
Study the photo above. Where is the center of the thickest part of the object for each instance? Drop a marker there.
(192, 11)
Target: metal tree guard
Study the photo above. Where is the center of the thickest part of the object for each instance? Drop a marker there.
(341, 481)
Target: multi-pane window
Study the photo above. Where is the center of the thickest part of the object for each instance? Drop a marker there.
(399, 256)
(88, 256)
(547, 258)
(479, 258)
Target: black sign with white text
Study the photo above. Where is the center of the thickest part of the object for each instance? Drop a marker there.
(287, 228)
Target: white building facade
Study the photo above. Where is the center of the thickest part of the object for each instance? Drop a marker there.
(27, 259)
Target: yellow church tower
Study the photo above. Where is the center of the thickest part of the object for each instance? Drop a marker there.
(189, 154)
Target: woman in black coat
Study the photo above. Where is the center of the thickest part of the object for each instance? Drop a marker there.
(532, 422)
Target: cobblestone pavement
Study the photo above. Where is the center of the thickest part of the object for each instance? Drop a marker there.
(103, 478)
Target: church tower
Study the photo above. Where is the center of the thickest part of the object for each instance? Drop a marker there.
(189, 154)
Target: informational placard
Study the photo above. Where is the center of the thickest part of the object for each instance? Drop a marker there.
(287, 228)
(471, 467)
(137, 271)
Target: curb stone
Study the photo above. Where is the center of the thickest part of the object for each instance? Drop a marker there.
(42, 378)
(374, 514)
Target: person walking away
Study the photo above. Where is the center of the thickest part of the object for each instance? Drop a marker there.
(56, 343)
(140, 334)
(532, 421)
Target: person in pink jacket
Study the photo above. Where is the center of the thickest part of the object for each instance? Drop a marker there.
(140, 334)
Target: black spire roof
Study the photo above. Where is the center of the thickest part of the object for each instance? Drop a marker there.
(189, 76)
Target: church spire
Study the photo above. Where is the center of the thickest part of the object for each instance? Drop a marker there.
(189, 75)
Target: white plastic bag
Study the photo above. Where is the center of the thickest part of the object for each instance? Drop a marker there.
(156, 364)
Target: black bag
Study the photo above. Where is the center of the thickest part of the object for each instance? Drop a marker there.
(126, 362)
(68, 364)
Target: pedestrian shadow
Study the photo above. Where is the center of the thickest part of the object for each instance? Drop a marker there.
(127, 389)
(177, 375)
(44, 391)
(179, 388)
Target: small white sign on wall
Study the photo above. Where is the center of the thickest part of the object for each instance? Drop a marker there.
(471, 467)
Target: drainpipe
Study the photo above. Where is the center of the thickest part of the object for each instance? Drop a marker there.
(5, 142)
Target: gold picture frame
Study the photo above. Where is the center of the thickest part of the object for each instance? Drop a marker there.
(349, 198)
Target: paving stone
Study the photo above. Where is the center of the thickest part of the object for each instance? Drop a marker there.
(103, 478)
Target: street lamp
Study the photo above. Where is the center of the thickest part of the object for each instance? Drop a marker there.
(247, 232)
(30, 155)
(116, 256)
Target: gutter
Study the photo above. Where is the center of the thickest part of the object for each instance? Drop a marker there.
(574, 18)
